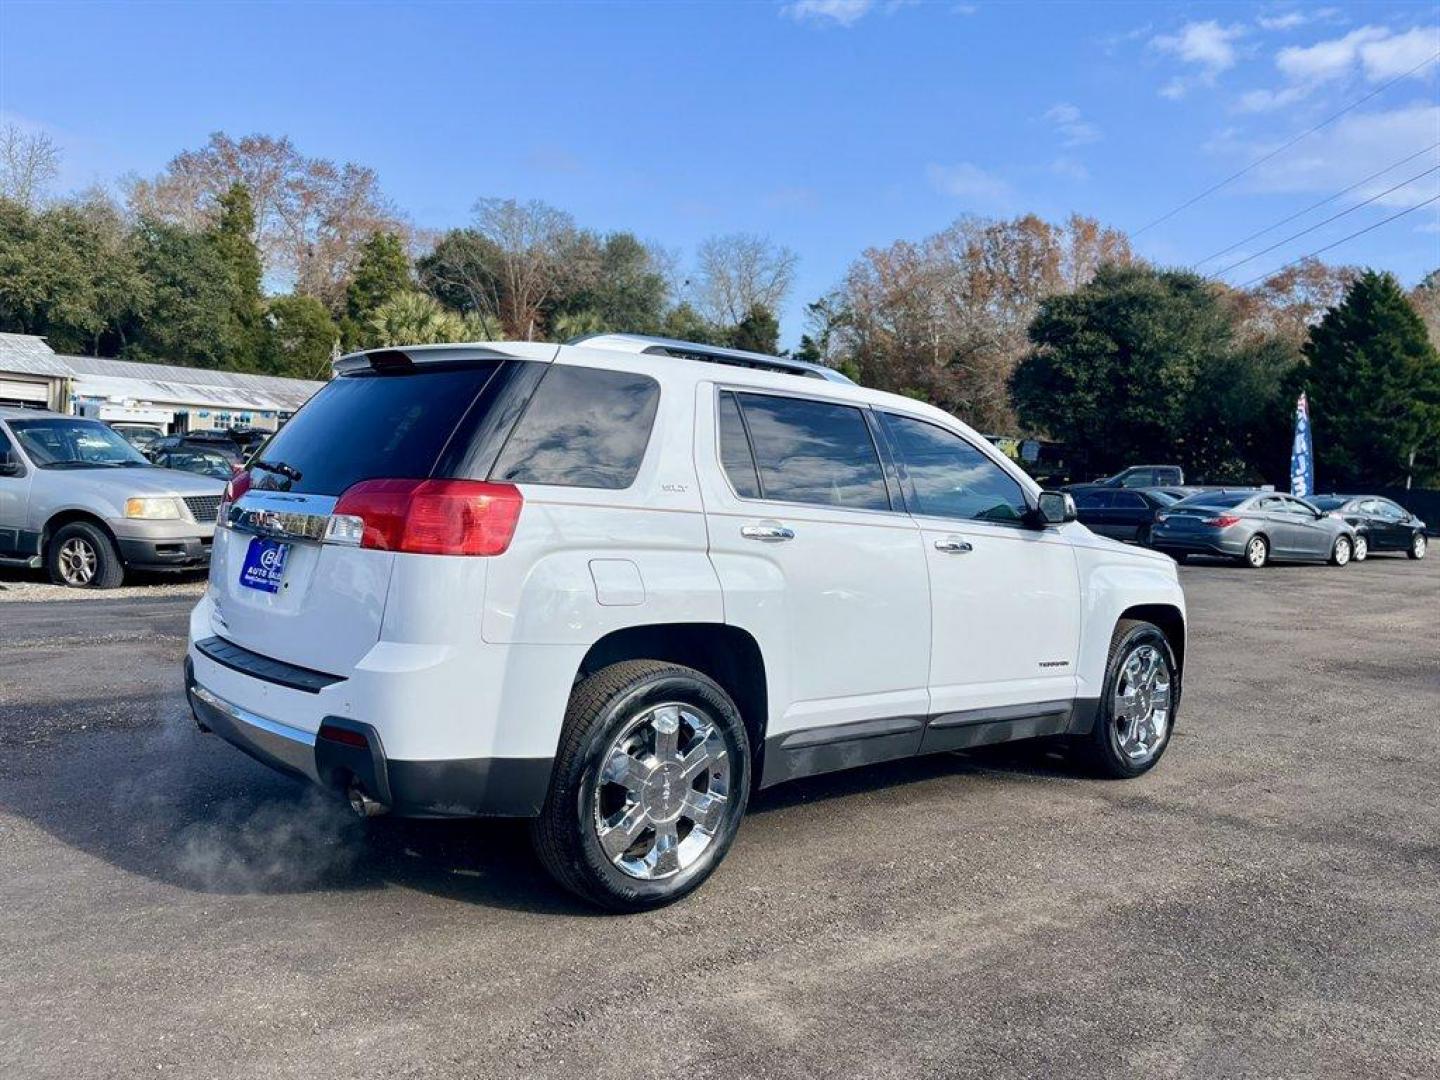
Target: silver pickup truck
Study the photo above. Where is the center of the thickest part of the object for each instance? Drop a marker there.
(78, 499)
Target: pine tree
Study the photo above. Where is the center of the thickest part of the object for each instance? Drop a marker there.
(232, 238)
(381, 274)
(1373, 378)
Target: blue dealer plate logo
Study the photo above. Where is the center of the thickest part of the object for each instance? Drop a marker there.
(264, 564)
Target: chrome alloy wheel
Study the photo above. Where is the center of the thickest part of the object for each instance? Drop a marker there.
(1141, 705)
(1418, 545)
(78, 561)
(1362, 548)
(1257, 551)
(1343, 550)
(661, 793)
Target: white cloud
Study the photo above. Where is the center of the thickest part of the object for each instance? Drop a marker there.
(1069, 168)
(1392, 56)
(1380, 52)
(1207, 45)
(1288, 21)
(844, 12)
(1335, 157)
(967, 181)
(1073, 128)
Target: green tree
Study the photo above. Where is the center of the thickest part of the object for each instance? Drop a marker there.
(303, 337)
(192, 297)
(464, 272)
(1114, 367)
(758, 331)
(615, 278)
(232, 237)
(413, 318)
(685, 323)
(381, 274)
(1373, 379)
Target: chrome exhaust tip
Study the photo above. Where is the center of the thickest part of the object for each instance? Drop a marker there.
(363, 805)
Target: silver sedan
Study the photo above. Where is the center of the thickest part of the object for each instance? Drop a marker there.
(1253, 527)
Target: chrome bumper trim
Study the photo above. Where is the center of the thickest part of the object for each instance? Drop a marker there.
(268, 740)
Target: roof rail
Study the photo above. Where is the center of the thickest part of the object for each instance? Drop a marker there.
(709, 354)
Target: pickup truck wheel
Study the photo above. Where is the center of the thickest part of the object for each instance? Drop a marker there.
(1137, 709)
(81, 556)
(650, 783)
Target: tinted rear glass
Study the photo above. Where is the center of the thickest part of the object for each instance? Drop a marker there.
(814, 452)
(584, 427)
(1330, 502)
(371, 426)
(1223, 499)
(735, 456)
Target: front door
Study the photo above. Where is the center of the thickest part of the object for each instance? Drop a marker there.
(1005, 598)
(14, 500)
(817, 561)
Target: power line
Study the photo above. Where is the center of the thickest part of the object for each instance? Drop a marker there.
(1280, 150)
(1314, 206)
(1342, 240)
(1321, 224)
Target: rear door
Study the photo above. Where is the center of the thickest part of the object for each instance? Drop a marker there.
(14, 498)
(1129, 515)
(1389, 519)
(278, 589)
(815, 556)
(1312, 534)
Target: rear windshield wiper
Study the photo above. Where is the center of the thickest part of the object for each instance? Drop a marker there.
(288, 471)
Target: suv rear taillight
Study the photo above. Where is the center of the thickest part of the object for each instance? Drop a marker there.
(1223, 521)
(427, 517)
(235, 487)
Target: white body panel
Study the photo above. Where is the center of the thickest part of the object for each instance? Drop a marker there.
(859, 617)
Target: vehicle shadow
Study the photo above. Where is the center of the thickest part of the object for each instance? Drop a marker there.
(185, 809)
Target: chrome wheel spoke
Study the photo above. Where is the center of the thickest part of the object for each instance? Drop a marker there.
(618, 838)
(701, 757)
(666, 723)
(665, 855)
(704, 809)
(620, 768)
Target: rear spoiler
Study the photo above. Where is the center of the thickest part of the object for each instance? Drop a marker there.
(408, 356)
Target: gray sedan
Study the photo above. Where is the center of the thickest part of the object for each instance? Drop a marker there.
(1253, 527)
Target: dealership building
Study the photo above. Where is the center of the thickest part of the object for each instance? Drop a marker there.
(173, 398)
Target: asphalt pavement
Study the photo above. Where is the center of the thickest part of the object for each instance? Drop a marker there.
(1266, 903)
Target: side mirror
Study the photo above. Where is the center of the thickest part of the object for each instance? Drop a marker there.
(1054, 508)
(10, 464)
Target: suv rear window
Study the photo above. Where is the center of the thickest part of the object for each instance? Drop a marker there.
(374, 425)
(584, 427)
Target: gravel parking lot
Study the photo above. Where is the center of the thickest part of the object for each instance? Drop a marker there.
(1267, 903)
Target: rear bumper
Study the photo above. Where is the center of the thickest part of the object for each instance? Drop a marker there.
(180, 553)
(1224, 547)
(346, 752)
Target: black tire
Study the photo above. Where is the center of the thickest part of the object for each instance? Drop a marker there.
(1342, 552)
(565, 836)
(1257, 552)
(80, 540)
(1418, 546)
(1100, 750)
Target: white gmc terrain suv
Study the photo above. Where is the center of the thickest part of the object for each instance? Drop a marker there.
(618, 585)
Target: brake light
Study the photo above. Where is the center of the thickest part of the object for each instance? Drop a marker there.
(427, 517)
(1223, 521)
(235, 487)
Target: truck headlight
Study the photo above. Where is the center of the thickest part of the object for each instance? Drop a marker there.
(153, 508)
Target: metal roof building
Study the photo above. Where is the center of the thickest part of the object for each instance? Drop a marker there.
(177, 398)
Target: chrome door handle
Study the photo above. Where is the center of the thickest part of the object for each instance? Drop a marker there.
(953, 545)
(772, 534)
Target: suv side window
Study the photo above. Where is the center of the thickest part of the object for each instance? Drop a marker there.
(1095, 499)
(7, 450)
(947, 477)
(584, 427)
(809, 452)
(735, 456)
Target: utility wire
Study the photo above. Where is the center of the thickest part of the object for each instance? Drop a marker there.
(1280, 150)
(1321, 224)
(1342, 240)
(1314, 206)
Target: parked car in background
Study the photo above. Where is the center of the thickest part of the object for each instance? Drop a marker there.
(196, 459)
(1379, 524)
(215, 442)
(248, 440)
(1253, 527)
(78, 499)
(1120, 513)
(615, 586)
(137, 435)
(1144, 476)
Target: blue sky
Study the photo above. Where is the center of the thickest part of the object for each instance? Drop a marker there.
(831, 125)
